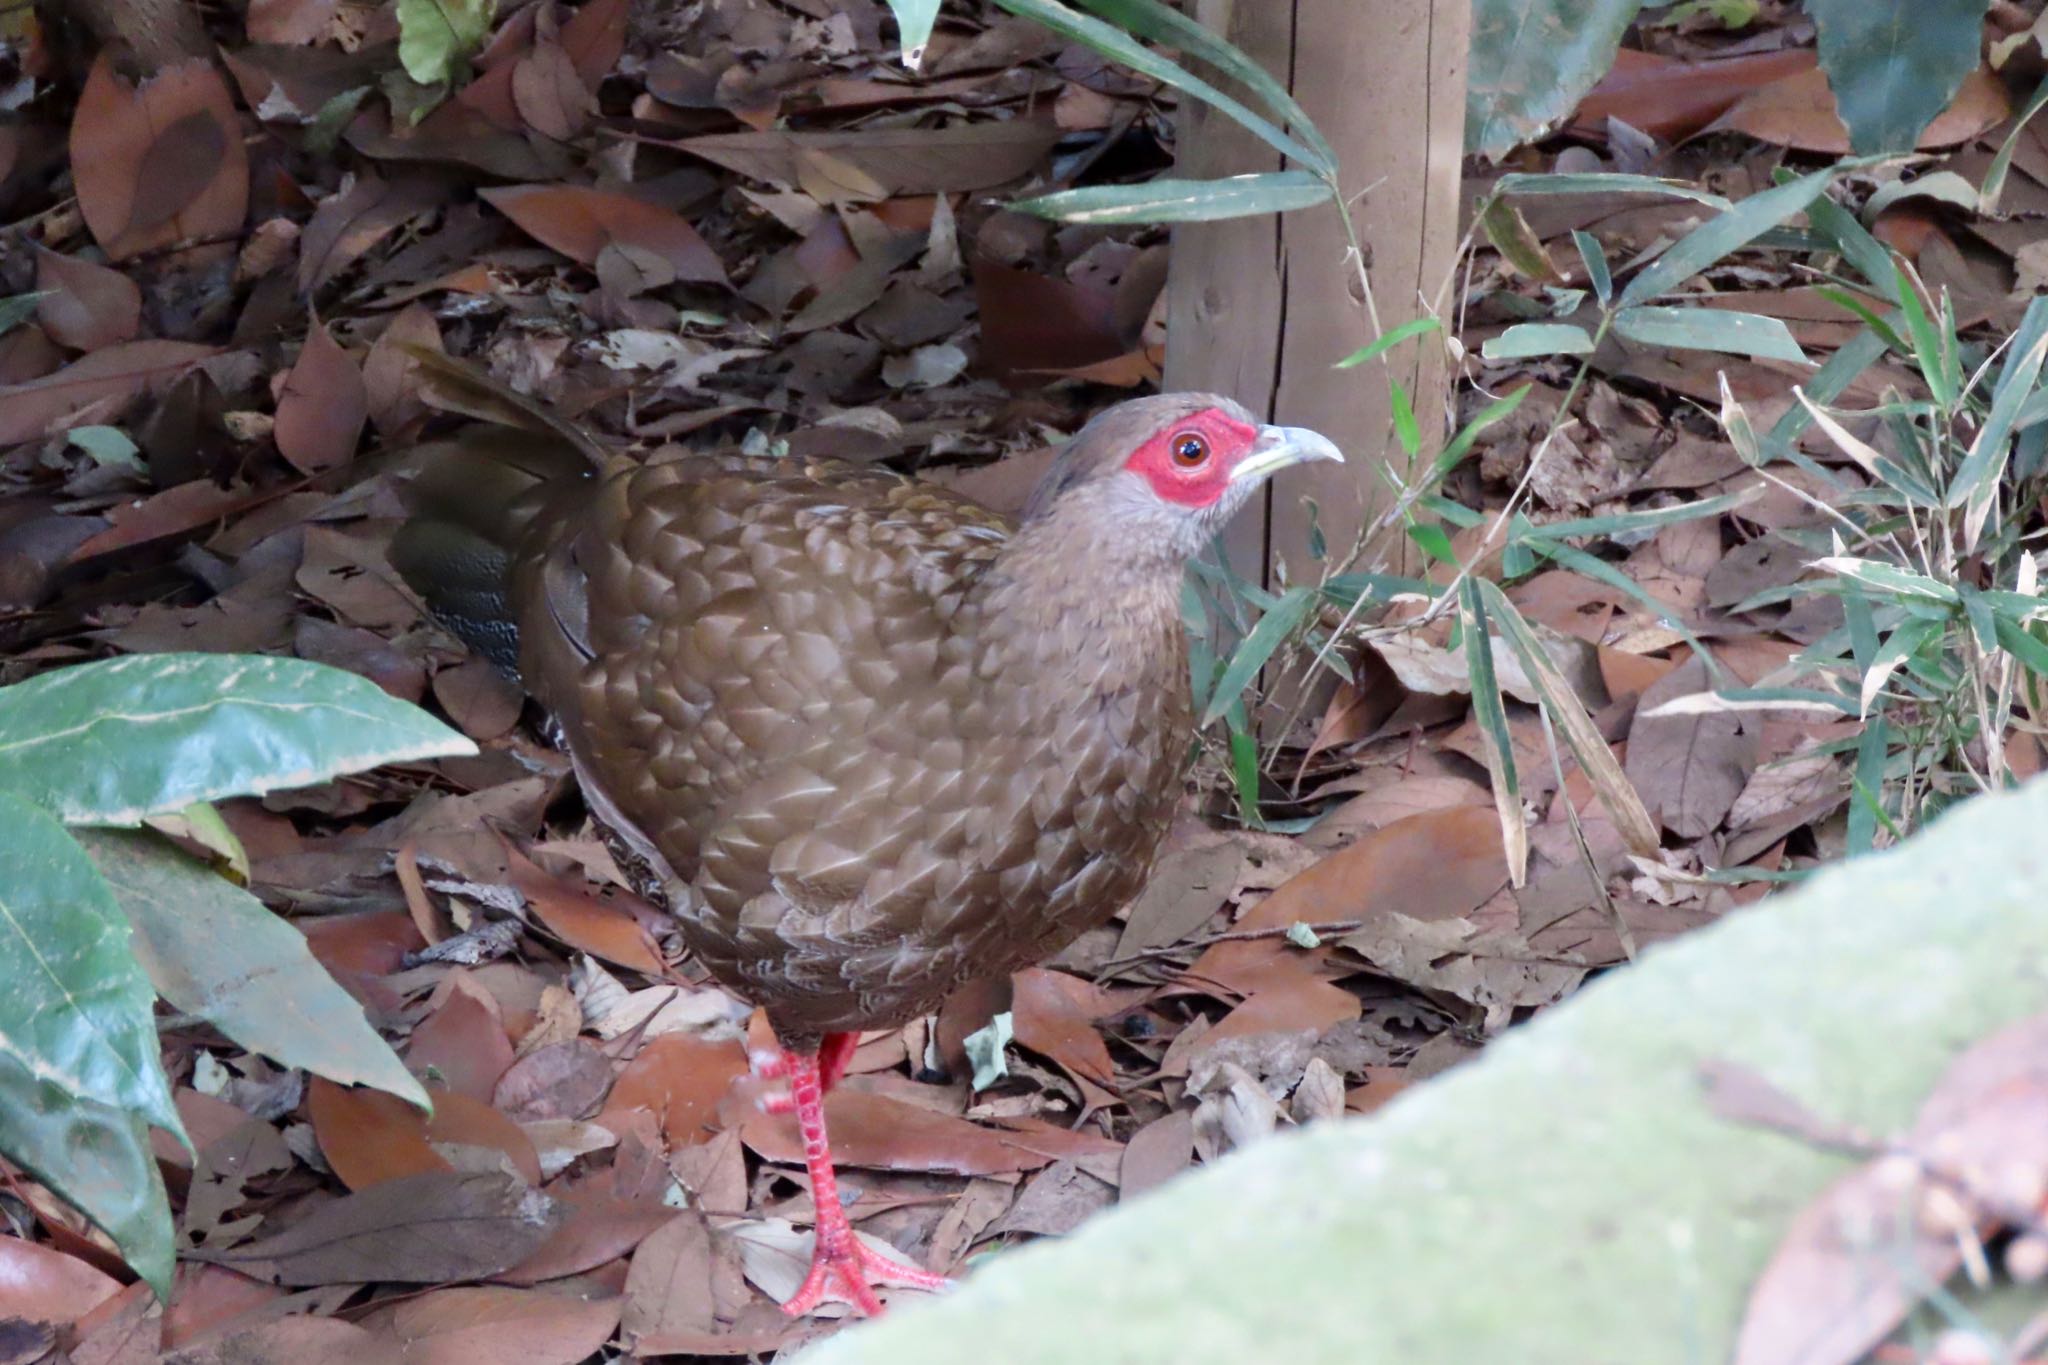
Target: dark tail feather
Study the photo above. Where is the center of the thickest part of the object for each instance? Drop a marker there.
(473, 500)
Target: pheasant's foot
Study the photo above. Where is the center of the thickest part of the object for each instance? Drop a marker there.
(780, 1065)
(845, 1270)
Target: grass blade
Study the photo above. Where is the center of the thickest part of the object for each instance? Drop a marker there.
(1496, 741)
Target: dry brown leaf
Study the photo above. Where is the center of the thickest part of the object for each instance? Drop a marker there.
(582, 919)
(162, 164)
(390, 382)
(101, 383)
(463, 1042)
(368, 1136)
(1688, 769)
(681, 1080)
(668, 1288)
(1670, 99)
(324, 406)
(1156, 1153)
(423, 1229)
(901, 161)
(301, 1340)
(494, 1325)
(597, 1228)
(874, 1131)
(580, 222)
(43, 1284)
(1799, 111)
(559, 1081)
(349, 224)
(87, 306)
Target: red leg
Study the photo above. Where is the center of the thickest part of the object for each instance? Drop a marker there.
(834, 1054)
(843, 1268)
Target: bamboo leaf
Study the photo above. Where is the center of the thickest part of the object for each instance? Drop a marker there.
(1496, 741)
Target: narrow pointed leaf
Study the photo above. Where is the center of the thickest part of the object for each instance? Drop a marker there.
(1722, 234)
(1181, 201)
(1496, 741)
(1528, 339)
(1252, 654)
(1710, 329)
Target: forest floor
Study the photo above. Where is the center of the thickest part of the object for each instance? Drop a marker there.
(744, 221)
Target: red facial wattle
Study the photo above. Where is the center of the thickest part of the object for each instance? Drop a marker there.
(1169, 462)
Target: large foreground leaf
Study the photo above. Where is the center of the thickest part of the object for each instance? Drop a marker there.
(76, 1009)
(109, 743)
(97, 1158)
(1895, 64)
(217, 952)
(1571, 1195)
(1531, 62)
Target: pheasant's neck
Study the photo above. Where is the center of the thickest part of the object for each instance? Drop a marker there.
(1102, 611)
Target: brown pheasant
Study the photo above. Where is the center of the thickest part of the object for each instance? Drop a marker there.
(871, 738)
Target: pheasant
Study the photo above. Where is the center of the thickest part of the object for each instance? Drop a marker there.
(871, 739)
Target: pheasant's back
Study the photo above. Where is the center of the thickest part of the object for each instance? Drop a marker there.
(782, 681)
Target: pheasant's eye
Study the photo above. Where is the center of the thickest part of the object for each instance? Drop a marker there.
(1190, 448)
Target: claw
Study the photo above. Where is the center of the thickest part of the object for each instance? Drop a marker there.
(847, 1273)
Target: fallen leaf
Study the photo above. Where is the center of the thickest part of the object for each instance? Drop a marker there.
(103, 382)
(1156, 1153)
(580, 222)
(301, 1340)
(899, 161)
(368, 1136)
(1799, 111)
(680, 1080)
(885, 1134)
(596, 1229)
(463, 1043)
(495, 1325)
(668, 1288)
(85, 306)
(162, 164)
(422, 1229)
(45, 1285)
(323, 408)
(583, 920)
(1688, 769)
(559, 1081)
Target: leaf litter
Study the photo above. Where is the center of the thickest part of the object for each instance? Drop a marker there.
(746, 224)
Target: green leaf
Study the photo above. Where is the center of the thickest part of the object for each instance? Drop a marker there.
(914, 19)
(435, 37)
(1169, 27)
(1895, 64)
(1181, 201)
(1244, 772)
(109, 446)
(1510, 234)
(1889, 579)
(1605, 183)
(1388, 339)
(1867, 784)
(19, 308)
(1433, 541)
(1630, 523)
(1526, 339)
(216, 952)
(1710, 329)
(77, 1008)
(1938, 362)
(1275, 625)
(1902, 644)
(1829, 382)
(1406, 430)
(1496, 741)
(1596, 264)
(98, 1160)
(1531, 61)
(111, 742)
(1722, 234)
(1119, 46)
(1994, 177)
(1976, 483)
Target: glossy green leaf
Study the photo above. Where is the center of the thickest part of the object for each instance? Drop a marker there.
(1433, 541)
(96, 1157)
(436, 37)
(1649, 519)
(1392, 337)
(1722, 234)
(1861, 250)
(77, 1008)
(1181, 201)
(1531, 62)
(1170, 28)
(217, 953)
(1496, 741)
(1256, 649)
(1406, 430)
(914, 19)
(1895, 64)
(1529, 339)
(1118, 46)
(1709, 329)
(1933, 349)
(111, 742)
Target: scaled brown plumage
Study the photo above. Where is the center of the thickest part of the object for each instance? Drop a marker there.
(872, 738)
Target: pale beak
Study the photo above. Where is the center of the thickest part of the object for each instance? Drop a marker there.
(1279, 447)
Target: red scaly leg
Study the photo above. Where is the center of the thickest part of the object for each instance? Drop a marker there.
(834, 1055)
(843, 1268)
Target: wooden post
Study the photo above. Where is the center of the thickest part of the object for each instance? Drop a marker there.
(1261, 308)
